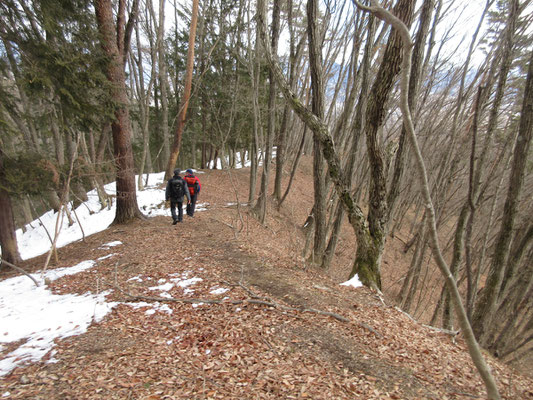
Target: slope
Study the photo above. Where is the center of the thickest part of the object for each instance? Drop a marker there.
(251, 321)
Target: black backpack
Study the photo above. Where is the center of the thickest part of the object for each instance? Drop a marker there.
(177, 188)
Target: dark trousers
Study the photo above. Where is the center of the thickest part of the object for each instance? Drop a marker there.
(179, 204)
(192, 205)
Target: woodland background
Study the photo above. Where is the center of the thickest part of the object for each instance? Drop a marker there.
(99, 91)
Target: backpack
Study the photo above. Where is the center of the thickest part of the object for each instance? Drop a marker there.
(191, 183)
(177, 187)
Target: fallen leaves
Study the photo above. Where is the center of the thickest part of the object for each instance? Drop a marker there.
(243, 351)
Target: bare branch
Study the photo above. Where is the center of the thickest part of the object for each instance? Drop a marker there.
(19, 270)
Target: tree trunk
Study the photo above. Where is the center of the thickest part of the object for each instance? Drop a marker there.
(318, 108)
(488, 299)
(163, 82)
(8, 237)
(368, 263)
(178, 134)
(127, 207)
(260, 206)
(473, 347)
(416, 75)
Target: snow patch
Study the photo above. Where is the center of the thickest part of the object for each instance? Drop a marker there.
(354, 282)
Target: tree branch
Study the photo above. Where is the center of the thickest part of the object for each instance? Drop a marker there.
(19, 270)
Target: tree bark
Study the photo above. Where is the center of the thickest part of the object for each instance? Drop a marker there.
(317, 106)
(260, 206)
(473, 347)
(127, 208)
(178, 134)
(488, 298)
(8, 237)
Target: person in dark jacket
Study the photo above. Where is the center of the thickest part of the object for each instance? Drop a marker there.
(194, 189)
(176, 189)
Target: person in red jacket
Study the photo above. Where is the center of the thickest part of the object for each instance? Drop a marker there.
(194, 189)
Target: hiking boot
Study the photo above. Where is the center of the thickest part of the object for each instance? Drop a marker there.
(175, 222)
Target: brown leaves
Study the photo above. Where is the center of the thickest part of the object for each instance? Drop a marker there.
(246, 351)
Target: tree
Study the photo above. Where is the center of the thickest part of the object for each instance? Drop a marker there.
(115, 39)
(473, 347)
(370, 243)
(370, 248)
(488, 300)
(8, 238)
(318, 108)
(260, 206)
(174, 153)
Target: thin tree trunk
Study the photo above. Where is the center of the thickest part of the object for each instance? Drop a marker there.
(176, 145)
(318, 108)
(490, 293)
(163, 82)
(260, 206)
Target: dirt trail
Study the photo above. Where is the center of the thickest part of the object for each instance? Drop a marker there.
(242, 351)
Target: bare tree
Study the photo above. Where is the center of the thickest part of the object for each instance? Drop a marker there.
(178, 134)
(490, 294)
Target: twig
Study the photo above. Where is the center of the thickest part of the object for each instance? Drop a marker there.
(44, 226)
(238, 201)
(249, 291)
(79, 224)
(232, 302)
(369, 328)
(20, 270)
(61, 206)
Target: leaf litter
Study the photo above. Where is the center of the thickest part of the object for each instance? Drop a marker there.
(183, 350)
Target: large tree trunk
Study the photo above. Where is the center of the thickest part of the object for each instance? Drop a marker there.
(473, 347)
(127, 207)
(8, 237)
(176, 145)
(370, 247)
(320, 131)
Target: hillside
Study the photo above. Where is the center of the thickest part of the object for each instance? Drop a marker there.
(253, 322)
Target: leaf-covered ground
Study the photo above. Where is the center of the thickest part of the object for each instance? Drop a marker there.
(278, 332)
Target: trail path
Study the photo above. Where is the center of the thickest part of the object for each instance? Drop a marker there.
(187, 350)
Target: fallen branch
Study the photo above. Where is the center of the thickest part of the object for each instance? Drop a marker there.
(19, 270)
(232, 302)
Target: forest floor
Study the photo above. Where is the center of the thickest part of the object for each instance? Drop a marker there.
(283, 330)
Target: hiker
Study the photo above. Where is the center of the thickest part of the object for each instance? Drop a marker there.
(176, 189)
(194, 189)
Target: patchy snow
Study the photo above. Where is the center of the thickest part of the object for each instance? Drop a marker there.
(89, 218)
(34, 315)
(219, 291)
(37, 316)
(354, 282)
(106, 246)
(182, 282)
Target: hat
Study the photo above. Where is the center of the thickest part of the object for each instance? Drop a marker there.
(189, 171)
(177, 171)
